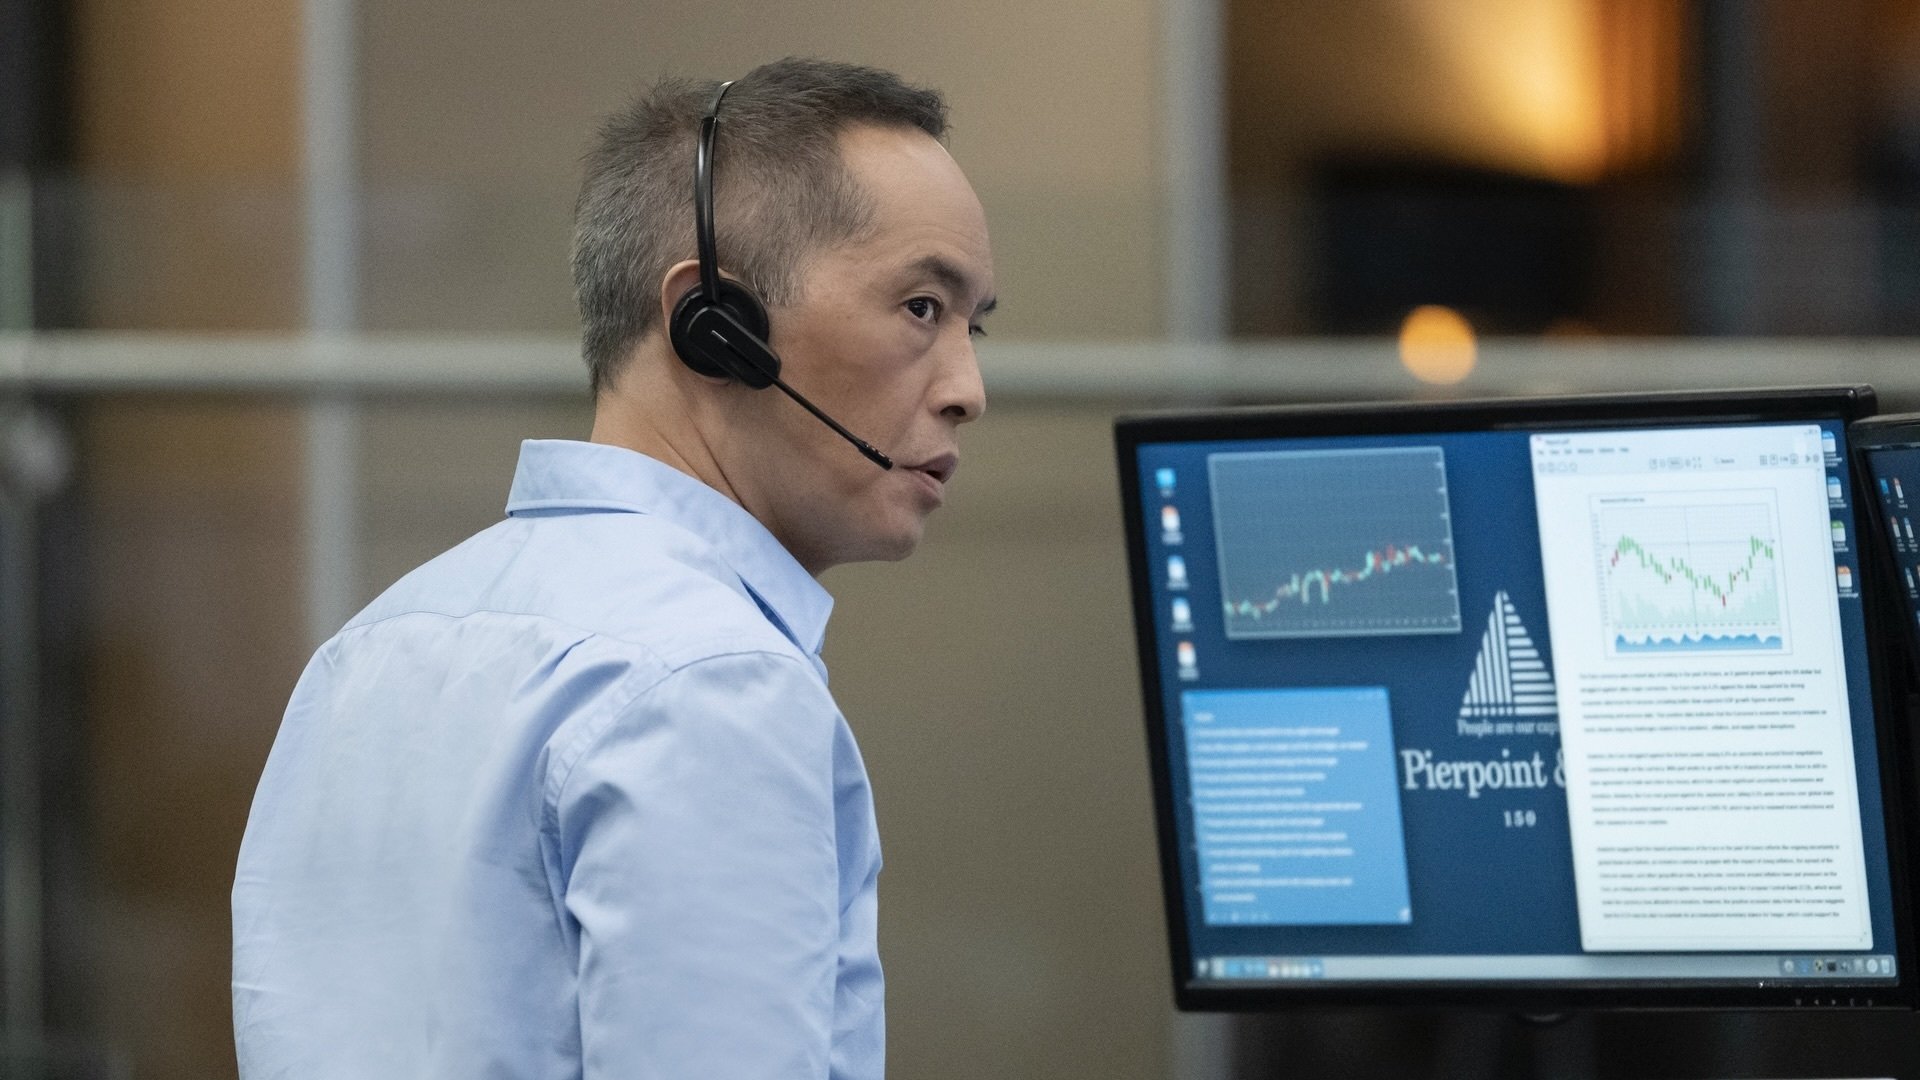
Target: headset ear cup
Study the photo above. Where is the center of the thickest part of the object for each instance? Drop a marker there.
(680, 332)
(706, 335)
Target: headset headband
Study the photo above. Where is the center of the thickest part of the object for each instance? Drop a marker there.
(703, 197)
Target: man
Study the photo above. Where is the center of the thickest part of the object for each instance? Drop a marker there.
(572, 799)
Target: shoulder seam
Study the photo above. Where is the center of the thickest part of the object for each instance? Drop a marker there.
(583, 631)
(562, 771)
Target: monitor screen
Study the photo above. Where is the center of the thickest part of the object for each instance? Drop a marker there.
(1560, 702)
(1890, 446)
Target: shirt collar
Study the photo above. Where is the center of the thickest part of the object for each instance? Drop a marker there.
(561, 474)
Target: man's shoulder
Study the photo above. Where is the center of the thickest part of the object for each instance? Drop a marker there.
(630, 578)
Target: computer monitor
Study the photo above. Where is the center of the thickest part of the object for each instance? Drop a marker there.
(1889, 452)
(1532, 704)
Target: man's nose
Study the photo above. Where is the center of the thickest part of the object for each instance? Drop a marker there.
(963, 391)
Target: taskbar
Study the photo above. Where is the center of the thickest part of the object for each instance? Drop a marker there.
(1778, 967)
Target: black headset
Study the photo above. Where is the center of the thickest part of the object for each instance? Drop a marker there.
(719, 328)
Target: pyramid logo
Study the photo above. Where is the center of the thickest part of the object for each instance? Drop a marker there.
(1509, 678)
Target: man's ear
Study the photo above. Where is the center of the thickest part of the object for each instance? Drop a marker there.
(680, 280)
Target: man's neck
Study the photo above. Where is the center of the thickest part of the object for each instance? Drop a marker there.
(620, 420)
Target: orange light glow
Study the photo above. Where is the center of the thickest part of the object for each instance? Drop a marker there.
(1530, 71)
(1437, 345)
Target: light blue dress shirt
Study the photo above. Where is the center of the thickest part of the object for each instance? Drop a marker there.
(571, 800)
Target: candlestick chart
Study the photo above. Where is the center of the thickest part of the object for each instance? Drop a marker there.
(1680, 576)
(1334, 543)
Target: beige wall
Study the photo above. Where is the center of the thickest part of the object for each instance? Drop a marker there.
(187, 170)
(474, 115)
(186, 198)
(193, 637)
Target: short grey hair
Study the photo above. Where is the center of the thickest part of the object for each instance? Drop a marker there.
(781, 190)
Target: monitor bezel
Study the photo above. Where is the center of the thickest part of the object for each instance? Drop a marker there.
(1845, 404)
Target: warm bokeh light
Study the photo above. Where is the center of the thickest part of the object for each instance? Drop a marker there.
(1530, 70)
(1437, 345)
(1566, 90)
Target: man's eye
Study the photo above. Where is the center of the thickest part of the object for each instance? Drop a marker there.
(923, 307)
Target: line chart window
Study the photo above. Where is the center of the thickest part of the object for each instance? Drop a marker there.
(1691, 571)
(1336, 543)
(1693, 602)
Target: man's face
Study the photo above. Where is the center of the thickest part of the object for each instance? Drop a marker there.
(881, 338)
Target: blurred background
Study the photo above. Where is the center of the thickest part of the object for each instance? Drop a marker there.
(283, 283)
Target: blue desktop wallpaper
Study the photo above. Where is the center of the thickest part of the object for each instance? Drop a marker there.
(1489, 873)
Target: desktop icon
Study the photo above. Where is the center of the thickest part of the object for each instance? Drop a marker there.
(1844, 576)
(1839, 534)
(1183, 612)
(1883, 486)
(1176, 572)
(1907, 523)
(1189, 661)
(1833, 489)
(1169, 525)
(1163, 479)
(1898, 491)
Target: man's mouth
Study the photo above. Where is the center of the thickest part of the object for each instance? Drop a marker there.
(940, 468)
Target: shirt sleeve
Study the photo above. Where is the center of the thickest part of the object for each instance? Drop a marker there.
(697, 850)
